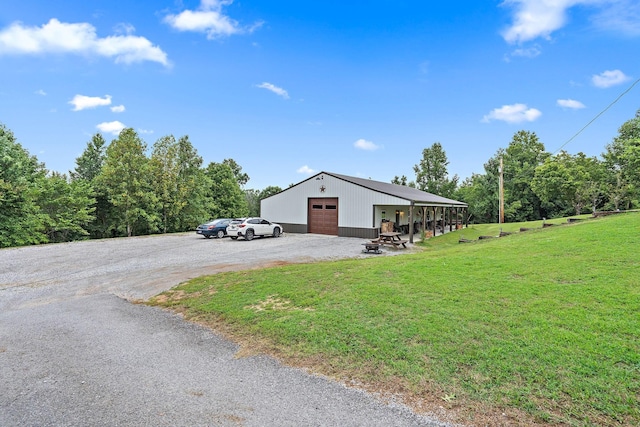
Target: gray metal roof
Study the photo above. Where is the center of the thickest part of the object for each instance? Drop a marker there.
(419, 197)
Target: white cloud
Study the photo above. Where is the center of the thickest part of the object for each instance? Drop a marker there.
(41, 92)
(275, 89)
(536, 18)
(516, 113)
(570, 103)
(306, 170)
(118, 108)
(209, 19)
(111, 127)
(145, 131)
(540, 18)
(82, 102)
(363, 144)
(609, 78)
(530, 52)
(621, 16)
(79, 38)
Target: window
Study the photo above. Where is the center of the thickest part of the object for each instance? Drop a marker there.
(334, 207)
(317, 206)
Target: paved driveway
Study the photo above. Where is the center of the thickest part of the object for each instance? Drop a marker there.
(74, 351)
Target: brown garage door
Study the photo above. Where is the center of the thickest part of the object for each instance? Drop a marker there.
(323, 216)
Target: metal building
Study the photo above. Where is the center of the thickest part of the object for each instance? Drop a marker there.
(340, 205)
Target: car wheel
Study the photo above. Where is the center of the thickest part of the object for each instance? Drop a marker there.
(220, 234)
(276, 232)
(234, 237)
(248, 235)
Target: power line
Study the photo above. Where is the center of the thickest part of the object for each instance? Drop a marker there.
(599, 114)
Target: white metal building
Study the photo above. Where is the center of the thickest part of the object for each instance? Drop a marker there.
(340, 205)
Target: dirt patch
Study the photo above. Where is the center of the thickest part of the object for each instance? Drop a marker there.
(275, 303)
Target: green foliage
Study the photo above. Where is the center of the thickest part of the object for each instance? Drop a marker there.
(229, 199)
(241, 178)
(193, 188)
(252, 197)
(521, 158)
(568, 180)
(544, 322)
(164, 172)
(622, 159)
(126, 178)
(89, 164)
(480, 192)
(431, 172)
(21, 222)
(88, 168)
(66, 207)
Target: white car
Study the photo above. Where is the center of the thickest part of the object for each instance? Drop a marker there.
(251, 227)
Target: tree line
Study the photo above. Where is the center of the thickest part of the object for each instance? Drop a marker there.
(117, 190)
(538, 184)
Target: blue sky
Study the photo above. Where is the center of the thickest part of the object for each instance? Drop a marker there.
(289, 88)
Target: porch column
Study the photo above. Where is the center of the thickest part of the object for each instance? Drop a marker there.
(435, 211)
(411, 223)
(450, 219)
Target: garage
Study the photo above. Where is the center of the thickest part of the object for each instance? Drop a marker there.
(323, 216)
(348, 206)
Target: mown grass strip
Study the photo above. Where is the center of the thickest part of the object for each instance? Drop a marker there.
(546, 321)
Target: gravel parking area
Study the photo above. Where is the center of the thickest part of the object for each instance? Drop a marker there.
(74, 351)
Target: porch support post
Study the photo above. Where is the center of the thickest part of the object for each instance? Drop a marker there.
(435, 211)
(411, 223)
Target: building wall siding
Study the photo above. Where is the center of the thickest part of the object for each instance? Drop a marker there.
(355, 203)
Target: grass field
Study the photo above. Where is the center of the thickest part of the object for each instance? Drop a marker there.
(539, 327)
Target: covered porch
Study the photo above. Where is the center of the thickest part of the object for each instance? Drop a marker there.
(412, 219)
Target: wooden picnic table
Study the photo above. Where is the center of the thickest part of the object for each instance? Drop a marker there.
(390, 238)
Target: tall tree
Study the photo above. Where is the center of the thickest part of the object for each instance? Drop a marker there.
(229, 199)
(557, 182)
(252, 198)
(480, 192)
(431, 173)
(125, 176)
(522, 156)
(193, 187)
(89, 164)
(21, 222)
(622, 159)
(164, 170)
(241, 177)
(67, 207)
(88, 168)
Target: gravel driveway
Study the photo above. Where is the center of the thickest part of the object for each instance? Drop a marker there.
(74, 350)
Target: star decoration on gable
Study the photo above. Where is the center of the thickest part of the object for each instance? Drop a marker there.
(322, 188)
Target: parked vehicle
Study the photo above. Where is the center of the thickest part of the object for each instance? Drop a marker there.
(216, 228)
(251, 227)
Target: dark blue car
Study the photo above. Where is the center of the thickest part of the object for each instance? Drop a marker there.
(216, 228)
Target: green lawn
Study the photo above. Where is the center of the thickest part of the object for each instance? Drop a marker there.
(542, 325)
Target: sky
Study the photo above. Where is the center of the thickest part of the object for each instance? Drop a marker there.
(291, 88)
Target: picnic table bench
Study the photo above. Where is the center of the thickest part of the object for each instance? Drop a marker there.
(392, 239)
(371, 248)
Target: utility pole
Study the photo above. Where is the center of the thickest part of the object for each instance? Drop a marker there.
(501, 214)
